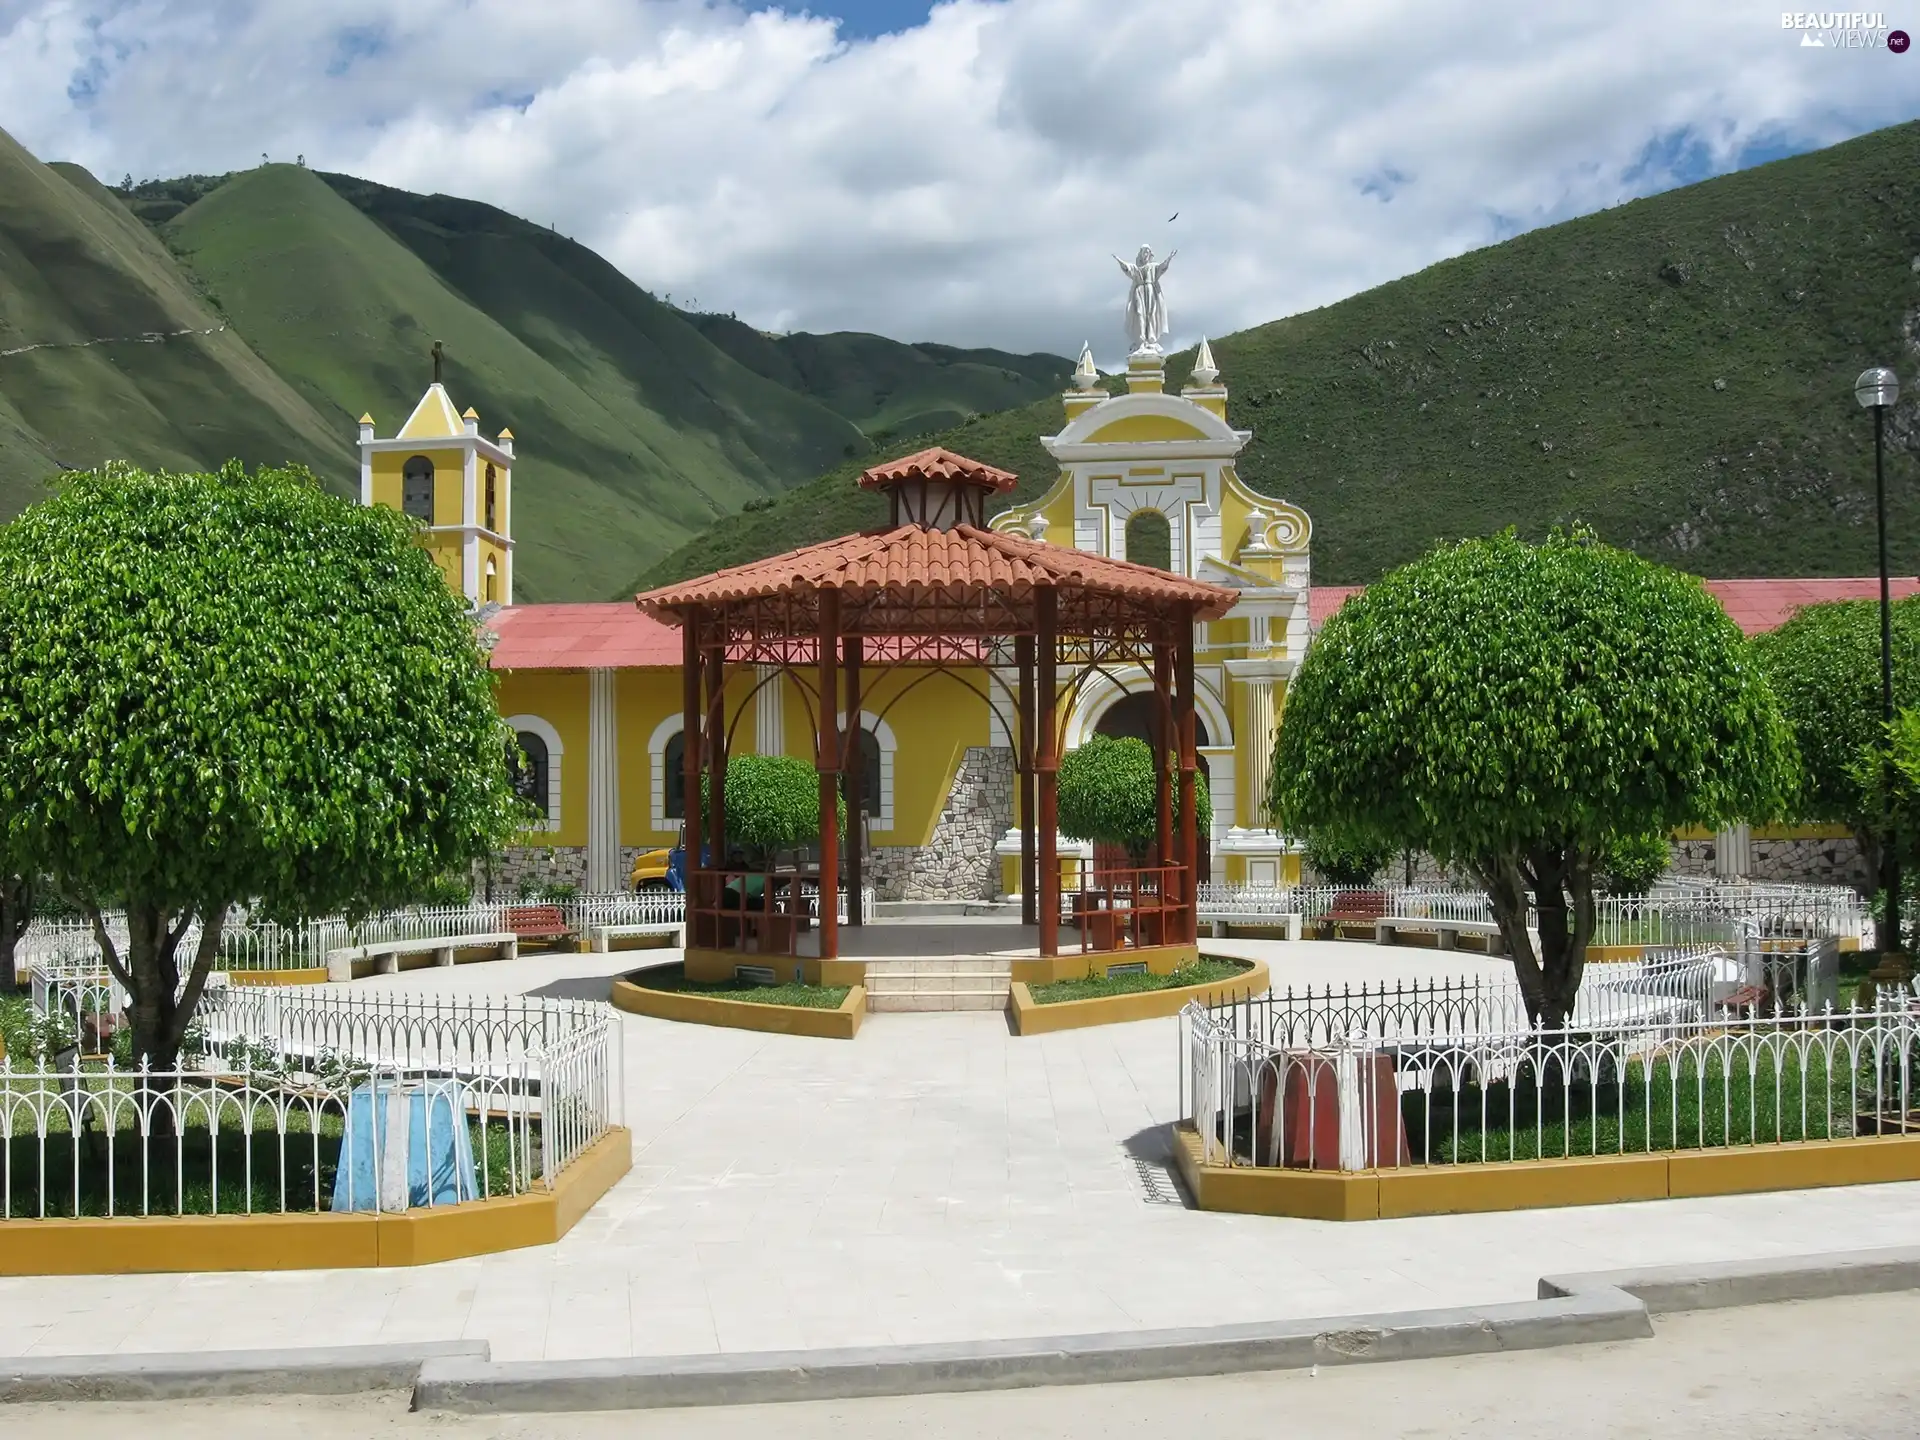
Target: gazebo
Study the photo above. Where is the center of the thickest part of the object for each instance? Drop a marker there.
(937, 588)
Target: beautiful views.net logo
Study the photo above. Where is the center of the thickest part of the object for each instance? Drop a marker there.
(1844, 30)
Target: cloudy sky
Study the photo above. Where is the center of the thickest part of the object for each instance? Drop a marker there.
(961, 172)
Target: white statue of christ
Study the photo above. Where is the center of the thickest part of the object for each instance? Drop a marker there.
(1146, 302)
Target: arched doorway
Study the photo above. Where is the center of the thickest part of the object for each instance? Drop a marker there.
(1132, 717)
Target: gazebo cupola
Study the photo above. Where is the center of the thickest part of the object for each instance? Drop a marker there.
(937, 489)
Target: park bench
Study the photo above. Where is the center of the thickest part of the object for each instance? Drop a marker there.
(1746, 999)
(1353, 907)
(384, 955)
(544, 924)
(602, 937)
(1387, 928)
(1289, 920)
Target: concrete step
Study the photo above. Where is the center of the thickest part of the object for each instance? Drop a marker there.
(884, 1000)
(941, 965)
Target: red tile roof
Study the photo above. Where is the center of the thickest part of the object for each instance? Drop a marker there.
(914, 562)
(1755, 605)
(938, 464)
(580, 637)
(616, 636)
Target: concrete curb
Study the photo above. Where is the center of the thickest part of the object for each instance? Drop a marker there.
(751, 1379)
(458, 1376)
(1752, 1282)
(318, 1370)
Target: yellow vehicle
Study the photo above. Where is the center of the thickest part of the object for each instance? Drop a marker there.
(650, 869)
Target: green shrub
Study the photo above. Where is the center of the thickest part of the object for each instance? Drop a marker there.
(1346, 859)
(1106, 794)
(1629, 864)
(773, 803)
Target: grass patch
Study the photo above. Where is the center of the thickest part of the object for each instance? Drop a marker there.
(806, 997)
(1690, 1098)
(107, 1169)
(1096, 987)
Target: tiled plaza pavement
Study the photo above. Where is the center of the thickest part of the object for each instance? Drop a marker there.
(937, 1179)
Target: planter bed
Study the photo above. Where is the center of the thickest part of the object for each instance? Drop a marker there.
(1117, 999)
(664, 992)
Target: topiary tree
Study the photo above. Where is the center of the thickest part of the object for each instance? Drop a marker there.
(1824, 665)
(1347, 859)
(1629, 864)
(1106, 795)
(230, 688)
(1508, 707)
(773, 803)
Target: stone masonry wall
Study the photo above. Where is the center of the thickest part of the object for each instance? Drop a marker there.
(1796, 862)
(540, 864)
(958, 863)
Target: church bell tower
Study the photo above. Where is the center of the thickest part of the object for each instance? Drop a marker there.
(457, 483)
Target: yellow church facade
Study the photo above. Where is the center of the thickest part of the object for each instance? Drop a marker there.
(593, 691)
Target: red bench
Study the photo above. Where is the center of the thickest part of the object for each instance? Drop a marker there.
(1353, 907)
(543, 923)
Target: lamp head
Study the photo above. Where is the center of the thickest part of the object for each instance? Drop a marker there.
(1878, 386)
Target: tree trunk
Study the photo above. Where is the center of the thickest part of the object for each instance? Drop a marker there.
(160, 1007)
(16, 913)
(1561, 881)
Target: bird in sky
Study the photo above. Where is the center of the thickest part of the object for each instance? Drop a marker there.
(1173, 217)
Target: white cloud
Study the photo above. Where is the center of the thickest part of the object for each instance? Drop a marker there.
(965, 180)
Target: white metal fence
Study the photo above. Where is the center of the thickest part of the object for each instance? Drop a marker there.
(1677, 912)
(290, 1102)
(255, 944)
(1428, 1081)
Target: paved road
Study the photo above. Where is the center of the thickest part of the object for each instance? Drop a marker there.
(1815, 1369)
(937, 1179)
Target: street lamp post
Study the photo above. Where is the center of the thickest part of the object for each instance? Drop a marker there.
(1877, 390)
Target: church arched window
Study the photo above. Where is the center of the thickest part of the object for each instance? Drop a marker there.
(1150, 539)
(416, 488)
(872, 798)
(492, 501)
(527, 763)
(673, 765)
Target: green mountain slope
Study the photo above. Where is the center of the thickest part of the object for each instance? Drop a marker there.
(1676, 371)
(178, 322)
(110, 350)
(337, 305)
(888, 389)
(606, 334)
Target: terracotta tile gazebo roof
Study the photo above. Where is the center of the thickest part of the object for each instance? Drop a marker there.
(942, 568)
(940, 466)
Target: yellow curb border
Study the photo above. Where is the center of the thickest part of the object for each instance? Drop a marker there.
(172, 1244)
(1541, 1184)
(1031, 1018)
(839, 1024)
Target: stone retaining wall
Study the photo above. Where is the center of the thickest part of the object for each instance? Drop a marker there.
(958, 863)
(1797, 862)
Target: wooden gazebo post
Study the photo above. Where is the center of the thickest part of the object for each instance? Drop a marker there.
(829, 766)
(1159, 733)
(1023, 761)
(1047, 768)
(856, 773)
(690, 749)
(716, 753)
(1189, 851)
